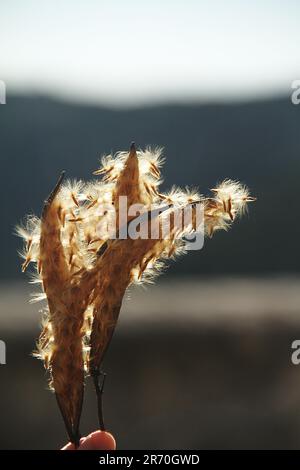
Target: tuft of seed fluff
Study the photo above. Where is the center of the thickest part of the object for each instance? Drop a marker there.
(84, 273)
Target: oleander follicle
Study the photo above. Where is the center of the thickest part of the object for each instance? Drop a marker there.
(95, 239)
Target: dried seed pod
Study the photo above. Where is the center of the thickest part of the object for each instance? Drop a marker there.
(65, 316)
(85, 267)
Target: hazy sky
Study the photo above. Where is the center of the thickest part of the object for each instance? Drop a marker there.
(127, 51)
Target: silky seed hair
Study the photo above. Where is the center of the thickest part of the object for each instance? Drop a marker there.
(84, 273)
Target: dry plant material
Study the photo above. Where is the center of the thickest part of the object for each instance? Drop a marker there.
(85, 271)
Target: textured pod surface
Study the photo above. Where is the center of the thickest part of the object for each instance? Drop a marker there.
(65, 317)
(85, 266)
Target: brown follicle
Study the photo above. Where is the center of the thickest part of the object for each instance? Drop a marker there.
(85, 274)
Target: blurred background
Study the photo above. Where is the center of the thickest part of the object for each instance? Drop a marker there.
(202, 359)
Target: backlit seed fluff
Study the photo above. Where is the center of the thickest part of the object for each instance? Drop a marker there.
(84, 271)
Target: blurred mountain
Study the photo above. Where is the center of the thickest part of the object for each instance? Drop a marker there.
(257, 143)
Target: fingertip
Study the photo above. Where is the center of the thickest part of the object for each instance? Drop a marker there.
(71, 446)
(98, 440)
(68, 446)
(102, 440)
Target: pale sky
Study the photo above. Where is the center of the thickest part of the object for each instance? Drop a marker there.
(129, 51)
